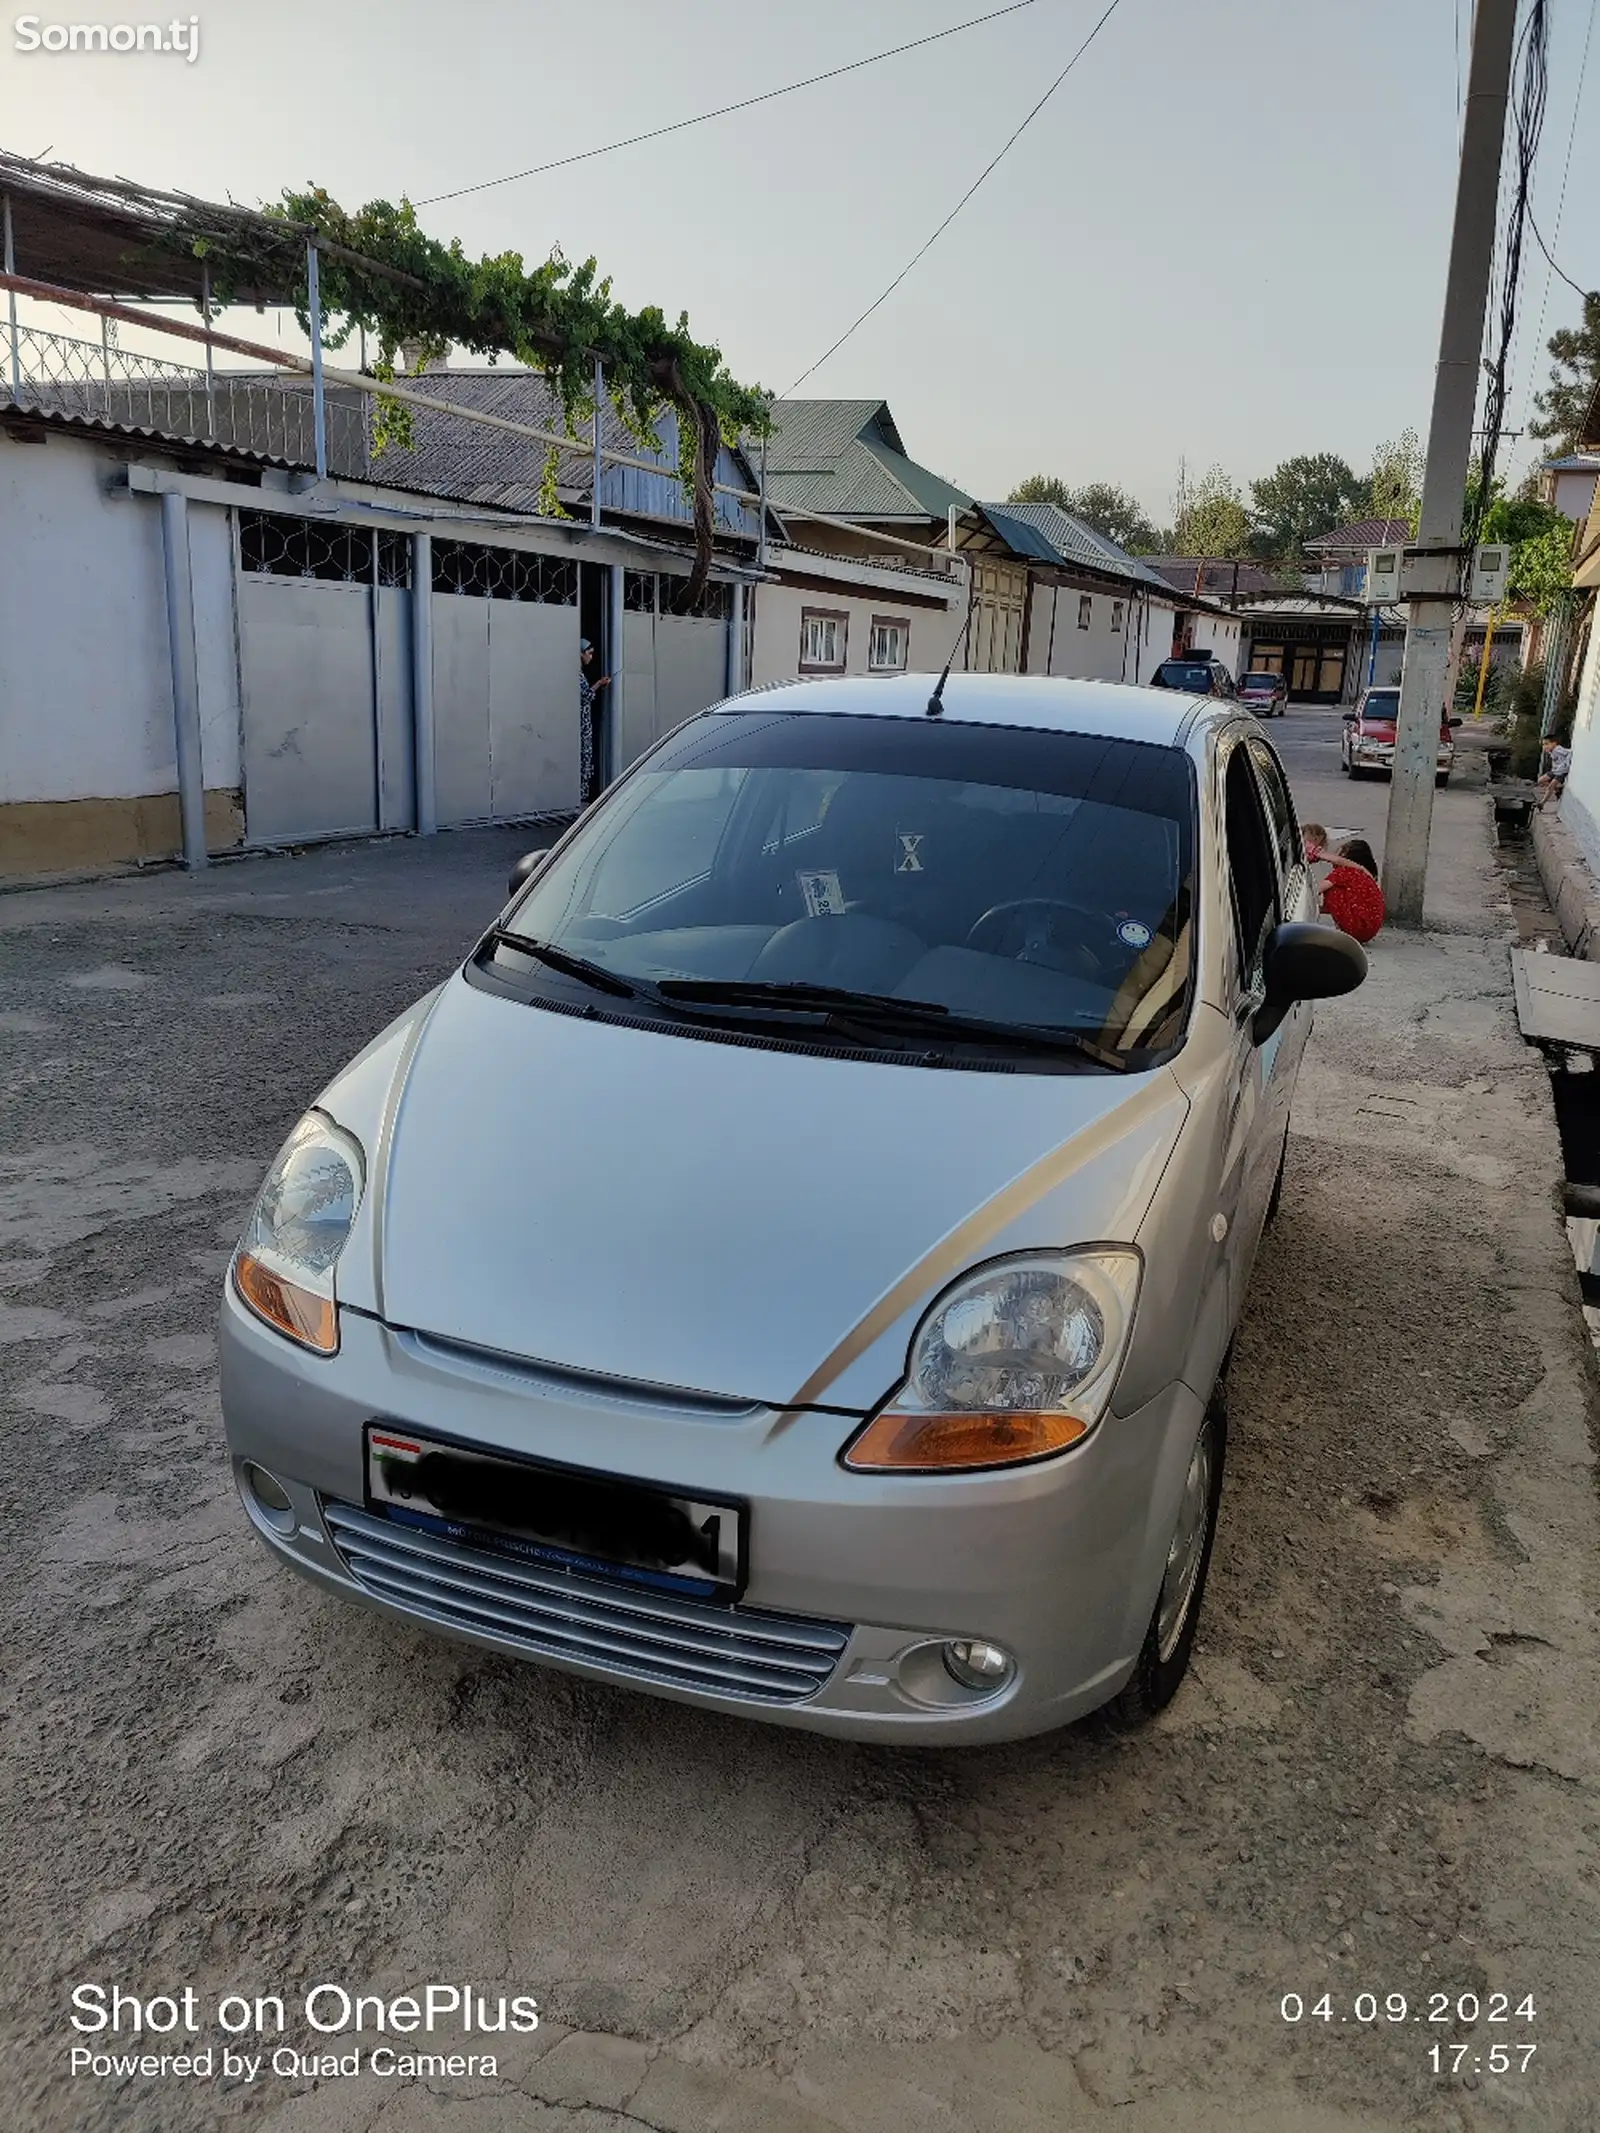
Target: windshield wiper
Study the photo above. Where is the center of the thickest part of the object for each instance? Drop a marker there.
(573, 966)
(885, 1011)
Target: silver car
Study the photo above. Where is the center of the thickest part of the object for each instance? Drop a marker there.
(792, 1265)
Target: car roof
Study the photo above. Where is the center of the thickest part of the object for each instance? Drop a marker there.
(1049, 702)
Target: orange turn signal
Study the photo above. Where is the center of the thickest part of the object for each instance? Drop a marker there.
(302, 1314)
(931, 1444)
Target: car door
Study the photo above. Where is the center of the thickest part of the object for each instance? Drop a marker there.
(1253, 1108)
(1297, 901)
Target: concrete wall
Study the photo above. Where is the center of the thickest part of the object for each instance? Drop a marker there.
(85, 672)
(1580, 804)
(775, 638)
(1059, 644)
(1219, 634)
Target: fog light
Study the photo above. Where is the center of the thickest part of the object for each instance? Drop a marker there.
(976, 1665)
(271, 1497)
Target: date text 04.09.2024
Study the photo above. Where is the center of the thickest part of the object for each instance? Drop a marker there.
(1371, 2007)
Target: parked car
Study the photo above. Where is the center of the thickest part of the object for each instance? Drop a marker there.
(1197, 673)
(791, 1265)
(1366, 746)
(1264, 693)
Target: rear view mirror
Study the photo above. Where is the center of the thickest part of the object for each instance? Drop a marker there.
(1306, 962)
(524, 867)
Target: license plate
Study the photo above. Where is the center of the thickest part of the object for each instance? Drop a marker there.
(558, 1515)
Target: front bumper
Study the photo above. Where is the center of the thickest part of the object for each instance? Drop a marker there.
(854, 1579)
(1375, 756)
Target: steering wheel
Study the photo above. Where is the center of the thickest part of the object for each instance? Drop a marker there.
(1027, 925)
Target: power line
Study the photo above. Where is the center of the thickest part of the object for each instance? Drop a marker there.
(1561, 204)
(747, 103)
(965, 197)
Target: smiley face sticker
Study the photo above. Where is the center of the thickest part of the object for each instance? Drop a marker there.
(1132, 934)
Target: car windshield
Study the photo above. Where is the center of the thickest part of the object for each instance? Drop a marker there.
(1035, 881)
(1259, 684)
(1382, 703)
(1186, 674)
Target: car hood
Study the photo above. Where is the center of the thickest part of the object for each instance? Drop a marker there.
(721, 1217)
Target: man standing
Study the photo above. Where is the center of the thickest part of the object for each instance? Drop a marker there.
(589, 722)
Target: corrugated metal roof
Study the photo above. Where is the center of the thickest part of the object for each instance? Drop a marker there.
(1365, 533)
(1218, 575)
(449, 457)
(845, 459)
(1066, 539)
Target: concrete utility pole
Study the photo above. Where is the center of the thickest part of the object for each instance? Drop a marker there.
(1435, 569)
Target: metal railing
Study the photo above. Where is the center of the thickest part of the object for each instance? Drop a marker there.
(97, 381)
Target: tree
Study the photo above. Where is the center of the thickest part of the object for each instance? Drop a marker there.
(1100, 504)
(1301, 498)
(1211, 517)
(1540, 539)
(1565, 401)
(1394, 487)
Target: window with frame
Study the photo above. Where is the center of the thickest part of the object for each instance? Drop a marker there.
(1085, 611)
(889, 645)
(1279, 806)
(1252, 870)
(823, 636)
(1116, 615)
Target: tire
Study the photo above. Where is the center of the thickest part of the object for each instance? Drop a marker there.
(1442, 782)
(1351, 772)
(1169, 1643)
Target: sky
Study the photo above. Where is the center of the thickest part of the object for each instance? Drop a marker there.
(1223, 240)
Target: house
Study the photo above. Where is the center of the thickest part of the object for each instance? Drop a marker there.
(1568, 484)
(1580, 803)
(1099, 614)
(1320, 642)
(228, 625)
(838, 474)
(1339, 559)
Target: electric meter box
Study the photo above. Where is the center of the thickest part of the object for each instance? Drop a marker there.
(1383, 577)
(1490, 569)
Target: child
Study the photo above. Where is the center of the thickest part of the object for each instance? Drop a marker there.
(1348, 891)
(1553, 778)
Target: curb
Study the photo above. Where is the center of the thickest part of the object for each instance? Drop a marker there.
(1573, 891)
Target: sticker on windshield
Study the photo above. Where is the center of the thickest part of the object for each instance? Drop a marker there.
(822, 894)
(1132, 934)
(908, 853)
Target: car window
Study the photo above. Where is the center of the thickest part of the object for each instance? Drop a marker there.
(1026, 876)
(1381, 703)
(1252, 868)
(1191, 674)
(1279, 806)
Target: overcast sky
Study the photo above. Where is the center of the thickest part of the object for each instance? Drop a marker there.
(1224, 238)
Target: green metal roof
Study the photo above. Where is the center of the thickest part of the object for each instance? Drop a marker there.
(845, 459)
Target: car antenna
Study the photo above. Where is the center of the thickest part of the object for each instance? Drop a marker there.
(936, 700)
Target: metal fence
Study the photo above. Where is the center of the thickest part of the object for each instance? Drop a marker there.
(97, 381)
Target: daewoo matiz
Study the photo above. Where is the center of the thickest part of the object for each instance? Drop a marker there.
(791, 1265)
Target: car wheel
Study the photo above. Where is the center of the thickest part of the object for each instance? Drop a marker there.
(1443, 781)
(1164, 1657)
(1350, 770)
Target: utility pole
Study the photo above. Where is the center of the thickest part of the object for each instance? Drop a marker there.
(1435, 570)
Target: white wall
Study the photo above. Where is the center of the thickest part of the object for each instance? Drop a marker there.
(85, 672)
(775, 647)
(1580, 804)
(1219, 634)
(1058, 644)
(1573, 493)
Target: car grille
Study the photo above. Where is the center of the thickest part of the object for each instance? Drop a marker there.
(636, 1634)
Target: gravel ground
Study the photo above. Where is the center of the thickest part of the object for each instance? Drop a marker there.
(1381, 1777)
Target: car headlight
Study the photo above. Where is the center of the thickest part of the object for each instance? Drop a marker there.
(301, 1222)
(1014, 1362)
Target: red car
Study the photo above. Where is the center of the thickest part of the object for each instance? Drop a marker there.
(1264, 693)
(1367, 745)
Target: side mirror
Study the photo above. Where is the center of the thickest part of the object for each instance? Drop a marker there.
(524, 867)
(1306, 962)
(1455, 722)
(1350, 717)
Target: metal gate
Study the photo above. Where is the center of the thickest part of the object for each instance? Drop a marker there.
(672, 665)
(999, 603)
